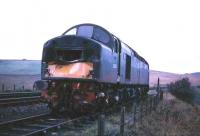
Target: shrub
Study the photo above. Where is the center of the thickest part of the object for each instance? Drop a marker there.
(182, 90)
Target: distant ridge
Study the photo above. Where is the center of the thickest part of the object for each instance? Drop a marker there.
(18, 60)
(164, 72)
(167, 77)
(194, 74)
(20, 67)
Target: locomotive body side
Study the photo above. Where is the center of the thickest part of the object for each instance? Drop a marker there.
(125, 65)
(134, 70)
(108, 66)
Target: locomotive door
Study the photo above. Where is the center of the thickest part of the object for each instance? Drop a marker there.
(118, 51)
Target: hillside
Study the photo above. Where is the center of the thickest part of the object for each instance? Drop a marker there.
(19, 72)
(25, 72)
(20, 67)
(166, 77)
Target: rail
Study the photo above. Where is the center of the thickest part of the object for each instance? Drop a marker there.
(18, 94)
(19, 98)
(6, 123)
(40, 124)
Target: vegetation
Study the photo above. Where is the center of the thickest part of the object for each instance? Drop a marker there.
(182, 90)
(171, 118)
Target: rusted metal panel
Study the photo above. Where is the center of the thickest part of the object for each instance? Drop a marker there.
(90, 96)
(73, 70)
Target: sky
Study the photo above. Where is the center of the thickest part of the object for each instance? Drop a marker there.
(165, 32)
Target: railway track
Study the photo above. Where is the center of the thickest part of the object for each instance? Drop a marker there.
(46, 124)
(19, 98)
(18, 94)
(41, 124)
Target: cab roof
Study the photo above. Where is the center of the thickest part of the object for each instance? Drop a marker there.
(92, 31)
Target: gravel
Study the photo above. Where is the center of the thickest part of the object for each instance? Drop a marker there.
(16, 112)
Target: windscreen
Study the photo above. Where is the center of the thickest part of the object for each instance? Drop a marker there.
(85, 31)
(91, 31)
(69, 55)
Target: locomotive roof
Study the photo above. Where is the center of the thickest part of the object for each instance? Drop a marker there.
(92, 31)
(136, 54)
(97, 33)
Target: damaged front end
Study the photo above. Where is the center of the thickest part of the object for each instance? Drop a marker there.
(66, 66)
(72, 70)
(77, 60)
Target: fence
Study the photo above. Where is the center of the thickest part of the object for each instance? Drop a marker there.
(14, 87)
(128, 116)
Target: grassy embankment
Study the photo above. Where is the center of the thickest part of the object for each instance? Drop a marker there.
(173, 116)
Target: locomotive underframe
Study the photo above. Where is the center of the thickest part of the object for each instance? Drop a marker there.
(82, 96)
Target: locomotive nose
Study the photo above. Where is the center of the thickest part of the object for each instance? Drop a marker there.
(72, 59)
(70, 49)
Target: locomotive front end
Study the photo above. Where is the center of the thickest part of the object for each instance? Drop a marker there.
(69, 69)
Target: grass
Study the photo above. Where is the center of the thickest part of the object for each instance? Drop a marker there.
(172, 118)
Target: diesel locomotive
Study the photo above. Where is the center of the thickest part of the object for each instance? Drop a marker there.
(87, 67)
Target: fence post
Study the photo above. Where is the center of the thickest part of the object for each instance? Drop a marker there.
(157, 100)
(150, 104)
(158, 85)
(134, 114)
(122, 123)
(14, 87)
(141, 111)
(3, 87)
(161, 94)
(154, 103)
(101, 125)
(146, 102)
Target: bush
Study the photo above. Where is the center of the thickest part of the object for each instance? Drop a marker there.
(182, 90)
